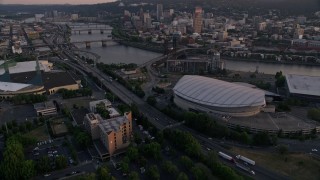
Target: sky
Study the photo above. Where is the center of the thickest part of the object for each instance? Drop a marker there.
(54, 1)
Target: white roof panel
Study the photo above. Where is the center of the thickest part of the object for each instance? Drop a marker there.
(26, 67)
(301, 84)
(8, 86)
(213, 92)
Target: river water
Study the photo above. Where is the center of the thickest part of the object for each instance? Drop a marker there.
(115, 53)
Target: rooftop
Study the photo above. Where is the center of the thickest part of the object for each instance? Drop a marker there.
(302, 84)
(25, 67)
(44, 105)
(9, 86)
(214, 92)
(94, 117)
(78, 115)
(106, 102)
(113, 112)
(113, 124)
(57, 79)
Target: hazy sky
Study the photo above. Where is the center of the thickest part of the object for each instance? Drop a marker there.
(53, 1)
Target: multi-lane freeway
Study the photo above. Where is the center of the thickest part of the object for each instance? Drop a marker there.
(157, 118)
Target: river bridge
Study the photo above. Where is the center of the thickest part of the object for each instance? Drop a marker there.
(89, 30)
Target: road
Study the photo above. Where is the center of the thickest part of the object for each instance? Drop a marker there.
(160, 120)
(157, 118)
(82, 168)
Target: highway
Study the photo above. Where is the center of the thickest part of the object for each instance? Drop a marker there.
(157, 118)
(161, 121)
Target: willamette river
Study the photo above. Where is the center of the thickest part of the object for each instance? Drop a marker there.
(115, 53)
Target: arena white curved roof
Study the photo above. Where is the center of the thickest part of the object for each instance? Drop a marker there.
(213, 92)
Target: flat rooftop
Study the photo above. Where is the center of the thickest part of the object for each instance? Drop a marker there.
(113, 112)
(44, 105)
(301, 84)
(113, 124)
(12, 87)
(26, 67)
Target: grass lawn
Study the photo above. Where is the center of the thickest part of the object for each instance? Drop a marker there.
(40, 133)
(296, 166)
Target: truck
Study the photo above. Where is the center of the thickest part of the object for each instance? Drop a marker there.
(245, 168)
(246, 160)
(225, 156)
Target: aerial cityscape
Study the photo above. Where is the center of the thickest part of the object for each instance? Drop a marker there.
(159, 89)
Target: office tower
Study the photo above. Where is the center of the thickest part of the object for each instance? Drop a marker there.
(197, 20)
(159, 11)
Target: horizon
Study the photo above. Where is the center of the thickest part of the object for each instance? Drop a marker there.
(56, 2)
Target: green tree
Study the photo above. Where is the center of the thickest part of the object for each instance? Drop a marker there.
(90, 176)
(142, 161)
(199, 173)
(61, 162)
(28, 169)
(152, 150)
(186, 162)
(14, 165)
(13, 158)
(153, 173)
(101, 109)
(83, 139)
(134, 175)
(170, 168)
(124, 167)
(103, 174)
(278, 74)
(261, 138)
(43, 165)
(184, 141)
(132, 153)
(182, 176)
(244, 137)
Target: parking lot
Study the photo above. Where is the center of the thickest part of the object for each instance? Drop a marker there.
(21, 113)
(52, 149)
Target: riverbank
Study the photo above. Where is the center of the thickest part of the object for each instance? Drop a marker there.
(271, 61)
(143, 46)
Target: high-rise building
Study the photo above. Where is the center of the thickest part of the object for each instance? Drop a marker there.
(91, 122)
(197, 20)
(222, 36)
(159, 11)
(298, 33)
(115, 133)
(55, 13)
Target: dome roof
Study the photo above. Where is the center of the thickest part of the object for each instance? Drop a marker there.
(213, 92)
